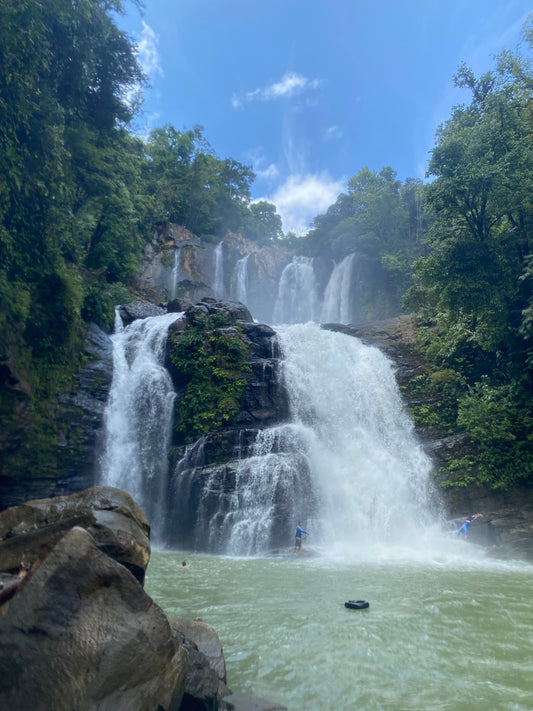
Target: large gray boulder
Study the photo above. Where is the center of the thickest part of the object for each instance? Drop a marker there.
(118, 525)
(82, 634)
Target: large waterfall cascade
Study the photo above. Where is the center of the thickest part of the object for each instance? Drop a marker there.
(371, 477)
(347, 464)
(138, 415)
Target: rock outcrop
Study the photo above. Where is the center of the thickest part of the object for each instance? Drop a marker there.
(76, 421)
(217, 455)
(79, 632)
(82, 634)
(117, 524)
(177, 264)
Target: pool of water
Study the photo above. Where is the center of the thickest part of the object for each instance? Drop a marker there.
(438, 635)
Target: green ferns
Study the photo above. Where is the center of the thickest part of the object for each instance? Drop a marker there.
(210, 359)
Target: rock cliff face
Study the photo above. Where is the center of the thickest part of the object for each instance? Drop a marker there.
(76, 422)
(177, 264)
(215, 456)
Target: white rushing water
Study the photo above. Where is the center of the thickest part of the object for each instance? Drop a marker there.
(371, 477)
(347, 464)
(297, 293)
(337, 306)
(175, 273)
(138, 415)
(239, 285)
(218, 269)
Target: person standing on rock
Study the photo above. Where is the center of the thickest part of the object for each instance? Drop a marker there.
(298, 542)
(467, 523)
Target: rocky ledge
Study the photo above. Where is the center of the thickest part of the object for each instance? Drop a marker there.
(78, 630)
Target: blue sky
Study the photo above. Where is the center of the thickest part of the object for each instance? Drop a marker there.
(308, 92)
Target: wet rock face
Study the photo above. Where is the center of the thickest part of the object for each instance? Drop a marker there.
(138, 309)
(117, 524)
(81, 633)
(215, 457)
(77, 419)
(177, 264)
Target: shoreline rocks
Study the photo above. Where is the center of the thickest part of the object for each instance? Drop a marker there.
(78, 630)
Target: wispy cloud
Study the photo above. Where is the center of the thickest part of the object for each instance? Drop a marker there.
(291, 84)
(303, 197)
(271, 172)
(147, 52)
(332, 133)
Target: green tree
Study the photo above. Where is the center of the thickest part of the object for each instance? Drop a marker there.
(264, 224)
(474, 288)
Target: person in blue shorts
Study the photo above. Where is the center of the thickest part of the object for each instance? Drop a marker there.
(464, 528)
(298, 542)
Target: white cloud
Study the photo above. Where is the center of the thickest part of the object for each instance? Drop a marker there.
(271, 172)
(303, 197)
(332, 133)
(291, 84)
(147, 52)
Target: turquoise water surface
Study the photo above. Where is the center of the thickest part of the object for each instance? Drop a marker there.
(439, 635)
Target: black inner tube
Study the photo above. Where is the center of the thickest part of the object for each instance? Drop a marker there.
(356, 604)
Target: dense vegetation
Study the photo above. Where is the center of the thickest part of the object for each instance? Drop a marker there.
(473, 292)
(79, 193)
(209, 358)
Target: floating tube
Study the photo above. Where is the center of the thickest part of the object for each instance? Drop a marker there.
(357, 604)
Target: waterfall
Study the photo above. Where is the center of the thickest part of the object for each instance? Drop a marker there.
(296, 301)
(347, 464)
(138, 414)
(337, 307)
(240, 280)
(175, 274)
(369, 474)
(218, 269)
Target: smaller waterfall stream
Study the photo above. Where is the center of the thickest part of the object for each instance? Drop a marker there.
(138, 416)
(175, 274)
(218, 269)
(337, 307)
(297, 299)
(240, 280)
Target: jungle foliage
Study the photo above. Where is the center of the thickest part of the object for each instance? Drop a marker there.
(78, 190)
(473, 290)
